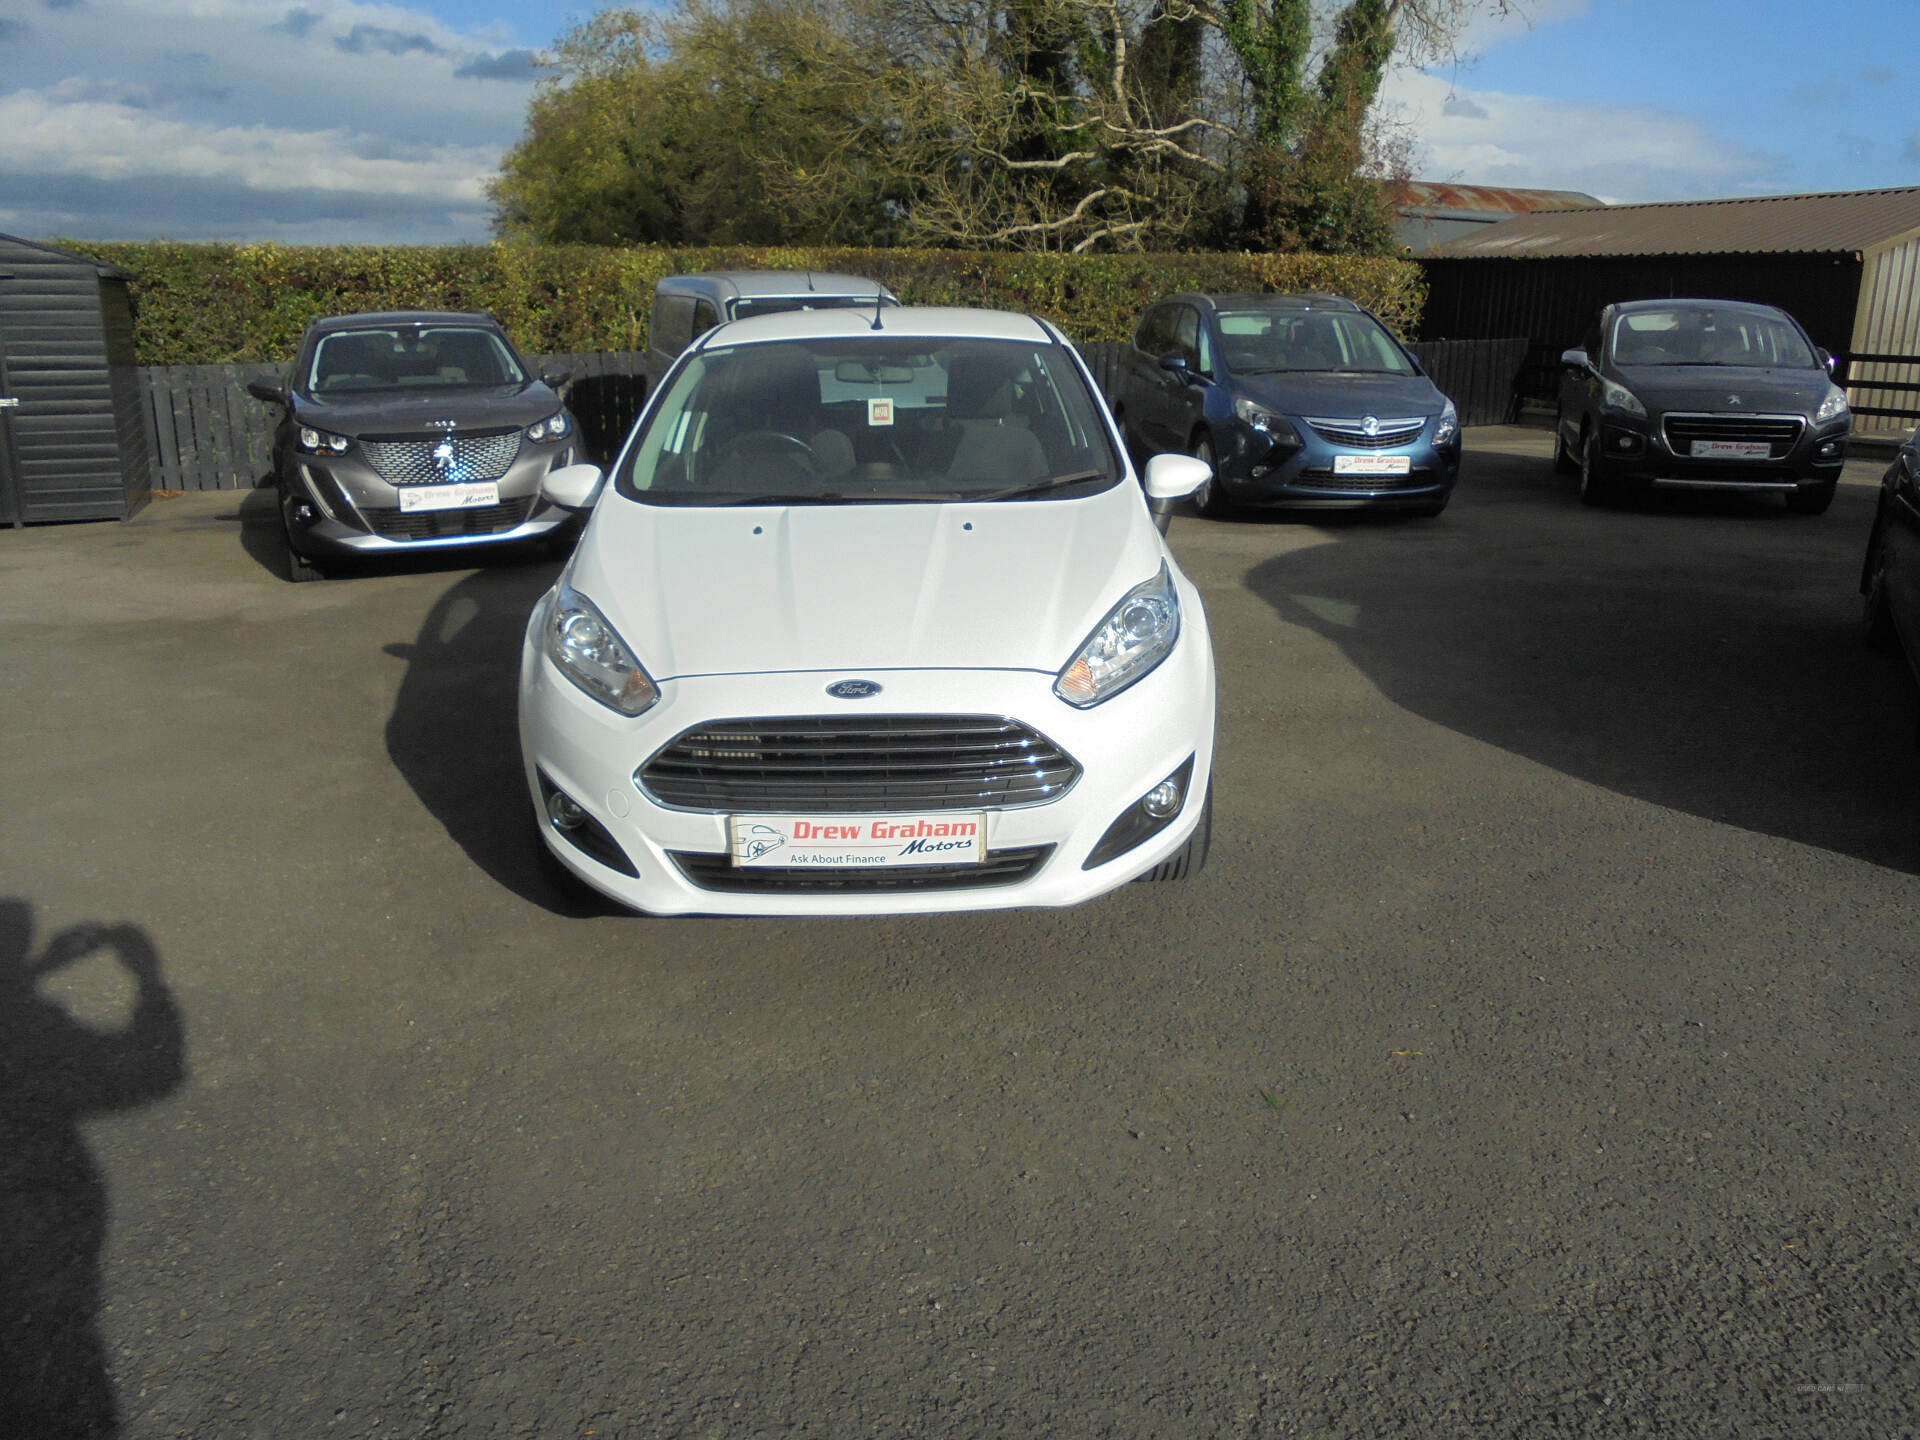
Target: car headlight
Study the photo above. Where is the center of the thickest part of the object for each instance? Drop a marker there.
(1833, 407)
(592, 655)
(321, 442)
(554, 427)
(1267, 422)
(1449, 425)
(1618, 397)
(1137, 635)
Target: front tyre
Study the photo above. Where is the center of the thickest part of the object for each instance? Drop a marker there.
(1210, 499)
(1595, 486)
(1876, 619)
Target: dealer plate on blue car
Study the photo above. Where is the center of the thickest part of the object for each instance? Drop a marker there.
(1372, 464)
(878, 841)
(464, 495)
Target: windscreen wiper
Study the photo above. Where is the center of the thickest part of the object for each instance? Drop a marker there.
(1041, 487)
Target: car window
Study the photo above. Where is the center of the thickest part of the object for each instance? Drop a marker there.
(1156, 331)
(746, 306)
(1186, 336)
(872, 418)
(705, 317)
(672, 323)
(1708, 335)
(1255, 341)
(411, 357)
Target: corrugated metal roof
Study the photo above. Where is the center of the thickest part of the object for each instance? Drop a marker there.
(111, 272)
(1428, 195)
(1836, 223)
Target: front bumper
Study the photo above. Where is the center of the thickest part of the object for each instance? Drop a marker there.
(1256, 471)
(340, 505)
(1124, 747)
(1639, 454)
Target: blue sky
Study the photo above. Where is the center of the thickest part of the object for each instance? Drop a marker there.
(344, 121)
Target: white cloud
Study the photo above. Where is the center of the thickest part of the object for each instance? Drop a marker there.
(1617, 152)
(240, 119)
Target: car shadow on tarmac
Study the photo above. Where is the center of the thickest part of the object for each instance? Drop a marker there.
(454, 732)
(57, 1072)
(1702, 654)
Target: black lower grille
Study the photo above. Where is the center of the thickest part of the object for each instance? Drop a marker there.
(1001, 867)
(845, 764)
(1363, 484)
(1778, 433)
(443, 524)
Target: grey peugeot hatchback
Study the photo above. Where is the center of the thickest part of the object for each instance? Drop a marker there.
(1718, 395)
(413, 430)
(1297, 401)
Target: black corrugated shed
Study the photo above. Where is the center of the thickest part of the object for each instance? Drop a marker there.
(73, 446)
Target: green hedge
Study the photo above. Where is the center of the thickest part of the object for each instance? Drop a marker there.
(217, 304)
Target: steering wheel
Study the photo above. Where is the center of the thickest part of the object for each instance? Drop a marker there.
(772, 442)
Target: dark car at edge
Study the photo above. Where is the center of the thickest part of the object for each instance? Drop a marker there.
(409, 431)
(1297, 401)
(1701, 395)
(1890, 576)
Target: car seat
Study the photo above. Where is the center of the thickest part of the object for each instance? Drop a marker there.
(995, 444)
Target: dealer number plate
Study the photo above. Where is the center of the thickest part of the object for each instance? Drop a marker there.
(1731, 450)
(875, 841)
(466, 495)
(1372, 464)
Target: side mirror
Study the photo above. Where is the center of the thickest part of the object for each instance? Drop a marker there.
(1169, 480)
(1177, 364)
(1825, 357)
(1175, 477)
(572, 487)
(270, 391)
(554, 379)
(1575, 359)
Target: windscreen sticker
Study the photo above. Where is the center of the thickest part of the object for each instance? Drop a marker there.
(880, 411)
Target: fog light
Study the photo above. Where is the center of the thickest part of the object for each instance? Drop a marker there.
(1163, 800)
(302, 513)
(1829, 449)
(1625, 442)
(563, 812)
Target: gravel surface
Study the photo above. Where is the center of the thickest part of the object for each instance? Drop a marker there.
(1535, 1057)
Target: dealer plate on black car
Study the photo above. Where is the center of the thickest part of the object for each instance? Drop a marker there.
(1372, 464)
(876, 841)
(1731, 450)
(464, 495)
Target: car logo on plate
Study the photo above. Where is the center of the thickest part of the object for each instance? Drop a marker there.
(854, 689)
(1370, 426)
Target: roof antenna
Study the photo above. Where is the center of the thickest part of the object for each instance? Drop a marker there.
(878, 291)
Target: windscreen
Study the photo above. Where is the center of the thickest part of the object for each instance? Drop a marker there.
(1261, 342)
(871, 419)
(411, 357)
(1706, 335)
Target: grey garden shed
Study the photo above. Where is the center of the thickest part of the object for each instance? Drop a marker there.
(73, 426)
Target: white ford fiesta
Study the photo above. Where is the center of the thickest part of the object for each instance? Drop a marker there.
(871, 615)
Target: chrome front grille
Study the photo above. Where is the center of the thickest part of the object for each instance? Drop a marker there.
(1779, 433)
(474, 457)
(844, 764)
(1354, 432)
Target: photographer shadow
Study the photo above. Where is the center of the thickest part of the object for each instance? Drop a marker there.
(55, 1073)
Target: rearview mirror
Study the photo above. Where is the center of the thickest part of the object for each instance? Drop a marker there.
(271, 391)
(1575, 359)
(554, 379)
(572, 487)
